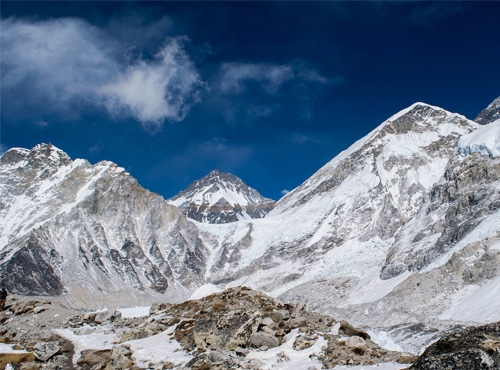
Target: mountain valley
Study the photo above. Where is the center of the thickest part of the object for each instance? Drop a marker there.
(399, 234)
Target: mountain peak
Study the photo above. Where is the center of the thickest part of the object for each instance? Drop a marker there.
(221, 197)
(48, 153)
(490, 113)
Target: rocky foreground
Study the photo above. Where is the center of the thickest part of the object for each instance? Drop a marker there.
(239, 328)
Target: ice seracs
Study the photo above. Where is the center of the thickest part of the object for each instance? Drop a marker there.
(485, 140)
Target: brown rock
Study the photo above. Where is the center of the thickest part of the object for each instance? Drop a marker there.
(92, 357)
(348, 329)
(15, 358)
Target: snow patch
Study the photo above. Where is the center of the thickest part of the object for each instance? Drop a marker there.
(204, 291)
(384, 341)
(131, 312)
(158, 348)
(285, 357)
(96, 340)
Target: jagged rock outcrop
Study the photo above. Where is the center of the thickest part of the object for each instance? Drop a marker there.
(474, 348)
(220, 198)
(490, 113)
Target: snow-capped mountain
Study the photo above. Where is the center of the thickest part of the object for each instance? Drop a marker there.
(399, 233)
(90, 233)
(220, 198)
(490, 113)
(398, 229)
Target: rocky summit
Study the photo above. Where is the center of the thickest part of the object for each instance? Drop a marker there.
(220, 198)
(490, 114)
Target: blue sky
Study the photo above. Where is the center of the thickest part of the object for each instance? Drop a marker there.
(268, 91)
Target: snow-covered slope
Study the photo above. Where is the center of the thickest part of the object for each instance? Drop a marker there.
(221, 198)
(485, 140)
(90, 233)
(396, 230)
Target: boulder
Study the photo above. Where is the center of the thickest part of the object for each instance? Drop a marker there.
(120, 358)
(90, 358)
(107, 316)
(348, 329)
(225, 330)
(297, 322)
(280, 316)
(44, 351)
(263, 339)
(356, 342)
(303, 342)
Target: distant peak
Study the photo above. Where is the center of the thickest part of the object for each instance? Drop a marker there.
(490, 114)
(221, 197)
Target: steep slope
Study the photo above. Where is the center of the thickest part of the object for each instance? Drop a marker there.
(396, 230)
(490, 113)
(221, 198)
(90, 234)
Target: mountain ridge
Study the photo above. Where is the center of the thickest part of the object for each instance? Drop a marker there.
(400, 228)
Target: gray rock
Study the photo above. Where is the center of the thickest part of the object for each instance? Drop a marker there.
(261, 339)
(44, 351)
(280, 315)
(297, 322)
(120, 358)
(107, 316)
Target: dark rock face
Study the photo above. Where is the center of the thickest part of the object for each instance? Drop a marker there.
(490, 114)
(475, 348)
(30, 271)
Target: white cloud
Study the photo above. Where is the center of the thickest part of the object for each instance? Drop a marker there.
(62, 65)
(152, 91)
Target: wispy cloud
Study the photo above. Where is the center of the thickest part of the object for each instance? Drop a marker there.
(42, 123)
(96, 148)
(65, 65)
(259, 89)
(235, 76)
